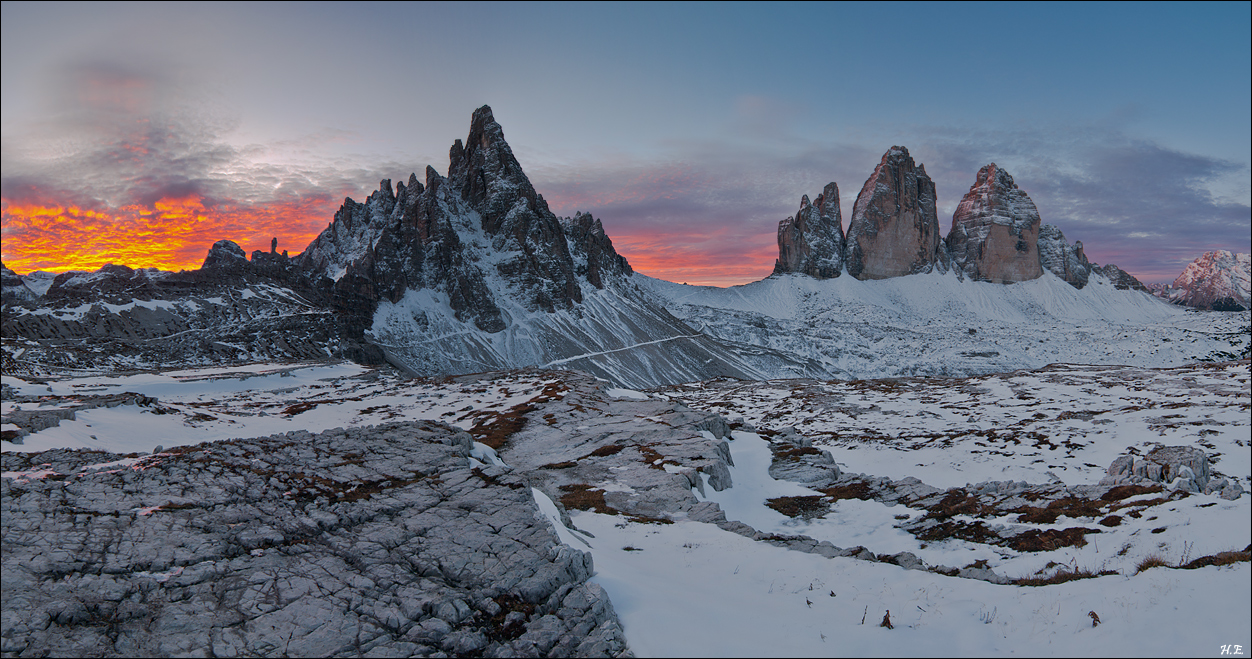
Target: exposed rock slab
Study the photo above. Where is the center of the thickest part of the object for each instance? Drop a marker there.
(379, 541)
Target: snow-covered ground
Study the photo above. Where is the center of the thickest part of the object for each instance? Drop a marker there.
(935, 324)
(203, 405)
(690, 589)
(693, 589)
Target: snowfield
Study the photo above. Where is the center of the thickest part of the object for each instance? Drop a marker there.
(694, 588)
(936, 324)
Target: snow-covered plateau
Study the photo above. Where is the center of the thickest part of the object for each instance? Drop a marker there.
(722, 518)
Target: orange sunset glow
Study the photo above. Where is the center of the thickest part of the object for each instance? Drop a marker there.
(170, 234)
(686, 260)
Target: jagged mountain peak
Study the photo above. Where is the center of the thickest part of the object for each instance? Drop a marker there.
(488, 175)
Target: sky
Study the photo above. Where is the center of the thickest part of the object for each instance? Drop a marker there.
(140, 134)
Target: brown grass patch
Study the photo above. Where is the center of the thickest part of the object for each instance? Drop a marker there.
(644, 519)
(1126, 491)
(805, 507)
(292, 410)
(1069, 507)
(787, 452)
(655, 459)
(560, 465)
(605, 451)
(960, 502)
(975, 532)
(496, 433)
(1061, 576)
(1049, 540)
(1111, 520)
(854, 490)
(581, 496)
(1222, 558)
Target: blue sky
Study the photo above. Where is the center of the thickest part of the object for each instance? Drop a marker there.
(690, 130)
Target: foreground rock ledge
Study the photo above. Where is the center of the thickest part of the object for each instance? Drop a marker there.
(378, 541)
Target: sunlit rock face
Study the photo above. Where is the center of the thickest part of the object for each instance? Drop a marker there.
(812, 242)
(894, 230)
(995, 230)
(1217, 280)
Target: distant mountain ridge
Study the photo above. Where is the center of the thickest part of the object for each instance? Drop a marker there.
(1218, 280)
(472, 272)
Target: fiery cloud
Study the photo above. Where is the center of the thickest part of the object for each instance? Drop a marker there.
(127, 172)
(172, 233)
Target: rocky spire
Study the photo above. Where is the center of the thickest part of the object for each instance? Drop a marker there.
(995, 230)
(812, 242)
(1060, 258)
(894, 229)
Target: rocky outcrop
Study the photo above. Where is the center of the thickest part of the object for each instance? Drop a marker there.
(378, 541)
(811, 242)
(795, 459)
(894, 230)
(1219, 280)
(12, 288)
(1121, 280)
(995, 231)
(230, 310)
(226, 256)
(1060, 258)
(592, 251)
(1180, 467)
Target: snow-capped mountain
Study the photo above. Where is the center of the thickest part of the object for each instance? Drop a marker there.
(1220, 280)
(473, 272)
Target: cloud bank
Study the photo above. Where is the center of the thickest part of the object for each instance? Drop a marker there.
(127, 171)
(125, 174)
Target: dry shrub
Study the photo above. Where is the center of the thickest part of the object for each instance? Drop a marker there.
(1150, 561)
